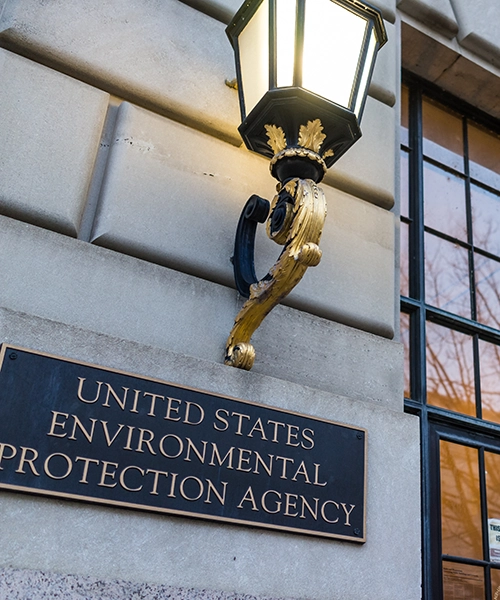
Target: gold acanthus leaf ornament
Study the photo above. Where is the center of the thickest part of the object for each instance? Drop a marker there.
(277, 139)
(311, 135)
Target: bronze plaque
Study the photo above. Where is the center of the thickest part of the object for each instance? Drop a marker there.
(79, 431)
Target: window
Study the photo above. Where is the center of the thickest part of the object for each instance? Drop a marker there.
(450, 327)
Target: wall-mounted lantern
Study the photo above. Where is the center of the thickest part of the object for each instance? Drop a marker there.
(303, 69)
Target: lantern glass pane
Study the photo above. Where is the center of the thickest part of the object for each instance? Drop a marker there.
(286, 13)
(254, 57)
(330, 31)
(370, 57)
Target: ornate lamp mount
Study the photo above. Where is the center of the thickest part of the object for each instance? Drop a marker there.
(304, 113)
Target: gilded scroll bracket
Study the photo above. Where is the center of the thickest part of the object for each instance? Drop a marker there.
(296, 217)
(295, 221)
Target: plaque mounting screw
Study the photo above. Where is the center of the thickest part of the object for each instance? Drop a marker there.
(357, 531)
(359, 436)
(13, 356)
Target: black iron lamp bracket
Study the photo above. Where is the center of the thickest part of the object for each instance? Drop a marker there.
(254, 212)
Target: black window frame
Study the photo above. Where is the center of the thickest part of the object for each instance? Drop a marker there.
(437, 423)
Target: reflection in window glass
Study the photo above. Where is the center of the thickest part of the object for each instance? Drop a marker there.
(484, 155)
(405, 97)
(487, 290)
(492, 471)
(489, 366)
(462, 582)
(495, 584)
(455, 191)
(405, 290)
(443, 137)
(460, 501)
(485, 219)
(450, 370)
(444, 202)
(405, 339)
(404, 184)
(447, 276)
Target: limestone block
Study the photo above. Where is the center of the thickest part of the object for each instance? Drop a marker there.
(165, 55)
(300, 350)
(437, 14)
(368, 168)
(475, 85)
(452, 68)
(17, 584)
(423, 54)
(222, 10)
(110, 543)
(385, 79)
(75, 282)
(478, 27)
(80, 294)
(387, 7)
(354, 282)
(173, 195)
(49, 136)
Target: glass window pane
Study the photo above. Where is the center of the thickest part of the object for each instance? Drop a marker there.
(492, 471)
(450, 369)
(253, 43)
(405, 340)
(489, 366)
(495, 584)
(485, 219)
(460, 502)
(487, 290)
(443, 137)
(444, 202)
(484, 155)
(405, 99)
(447, 276)
(404, 274)
(462, 582)
(404, 184)
(331, 30)
(367, 67)
(285, 42)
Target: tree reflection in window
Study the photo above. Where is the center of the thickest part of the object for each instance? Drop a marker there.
(450, 329)
(450, 370)
(460, 501)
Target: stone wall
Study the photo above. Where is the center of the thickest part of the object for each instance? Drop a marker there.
(454, 44)
(122, 176)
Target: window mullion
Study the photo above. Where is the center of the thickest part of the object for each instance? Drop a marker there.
(469, 222)
(484, 519)
(416, 247)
